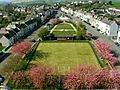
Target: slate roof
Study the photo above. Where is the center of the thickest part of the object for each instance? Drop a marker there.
(30, 22)
(10, 34)
(20, 26)
(16, 30)
(107, 21)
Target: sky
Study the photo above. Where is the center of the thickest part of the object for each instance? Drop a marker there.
(6, 0)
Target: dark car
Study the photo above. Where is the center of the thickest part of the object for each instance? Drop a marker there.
(117, 44)
(94, 37)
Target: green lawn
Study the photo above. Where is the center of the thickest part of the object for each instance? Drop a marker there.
(64, 26)
(116, 4)
(63, 29)
(1, 48)
(64, 33)
(62, 56)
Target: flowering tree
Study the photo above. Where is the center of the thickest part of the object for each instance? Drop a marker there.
(104, 50)
(87, 77)
(38, 74)
(107, 79)
(17, 77)
(54, 20)
(21, 47)
(82, 78)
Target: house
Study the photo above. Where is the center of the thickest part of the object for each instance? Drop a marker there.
(31, 25)
(23, 29)
(118, 36)
(8, 39)
(108, 27)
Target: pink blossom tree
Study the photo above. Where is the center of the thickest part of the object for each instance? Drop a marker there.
(38, 74)
(104, 50)
(88, 77)
(21, 47)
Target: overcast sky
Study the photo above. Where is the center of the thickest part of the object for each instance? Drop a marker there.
(6, 0)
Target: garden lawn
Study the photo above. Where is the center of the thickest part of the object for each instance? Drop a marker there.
(1, 47)
(63, 26)
(63, 33)
(62, 56)
(116, 4)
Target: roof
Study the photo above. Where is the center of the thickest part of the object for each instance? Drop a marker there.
(16, 30)
(1, 35)
(20, 26)
(107, 21)
(30, 22)
(10, 34)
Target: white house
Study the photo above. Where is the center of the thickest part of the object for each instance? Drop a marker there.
(8, 38)
(108, 27)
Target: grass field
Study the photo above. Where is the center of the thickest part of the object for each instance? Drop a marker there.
(64, 33)
(1, 47)
(62, 56)
(63, 29)
(116, 4)
(64, 26)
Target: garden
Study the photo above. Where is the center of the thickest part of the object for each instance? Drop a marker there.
(63, 29)
(62, 56)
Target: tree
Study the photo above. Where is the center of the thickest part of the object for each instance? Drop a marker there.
(38, 75)
(81, 31)
(43, 33)
(104, 50)
(81, 78)
(110, 3)
(88, 77)
(21, 47)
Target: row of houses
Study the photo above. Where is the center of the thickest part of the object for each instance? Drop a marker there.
(103, 24)
(19, 30)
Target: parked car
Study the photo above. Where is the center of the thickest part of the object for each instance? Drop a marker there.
(117, 44)
(94, 37)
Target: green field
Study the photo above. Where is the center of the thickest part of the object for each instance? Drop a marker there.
(1, 47)
(64, 26)
(64, 33)
(116, 4)
(63, 29)
(62, 56)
